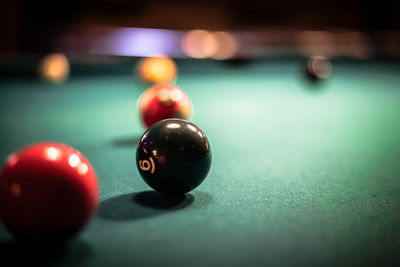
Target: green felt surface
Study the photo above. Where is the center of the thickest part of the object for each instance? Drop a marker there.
(302, 175)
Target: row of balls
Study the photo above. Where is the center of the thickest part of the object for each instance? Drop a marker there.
(173, 156)
(50, 190)
(55, 68)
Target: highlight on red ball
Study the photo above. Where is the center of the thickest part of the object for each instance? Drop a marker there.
(47, 190)
(163, 101)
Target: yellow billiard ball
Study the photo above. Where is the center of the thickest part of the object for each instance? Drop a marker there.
(155, 70)
(54, 68)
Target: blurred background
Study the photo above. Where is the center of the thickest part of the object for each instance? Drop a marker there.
(254, 28)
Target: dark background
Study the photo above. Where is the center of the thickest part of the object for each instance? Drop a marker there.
(29, 26)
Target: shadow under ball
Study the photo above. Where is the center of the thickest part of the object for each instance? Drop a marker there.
(173, 156)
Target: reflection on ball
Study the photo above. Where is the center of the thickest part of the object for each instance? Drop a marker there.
(54, 68)
(157, 70)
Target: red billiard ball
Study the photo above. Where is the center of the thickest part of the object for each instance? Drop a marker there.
(47, 190)
(162, 102)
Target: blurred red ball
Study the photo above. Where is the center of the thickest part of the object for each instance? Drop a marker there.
(162, 102)
(47, 190)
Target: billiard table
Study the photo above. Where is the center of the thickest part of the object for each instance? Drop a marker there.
(303, 173)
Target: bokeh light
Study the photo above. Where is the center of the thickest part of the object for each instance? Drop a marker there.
(199, 44)
(316, 42)
(54, 68)
(155, 70)
(226, 45)
(353, 44)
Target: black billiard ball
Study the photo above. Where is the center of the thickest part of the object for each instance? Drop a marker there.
(317, 68)
(173, 156)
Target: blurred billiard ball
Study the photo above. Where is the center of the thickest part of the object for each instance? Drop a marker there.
(317, 68)
(155, 70)
(47, 190)
(173, 156)
(163, 101)
(54, 68)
